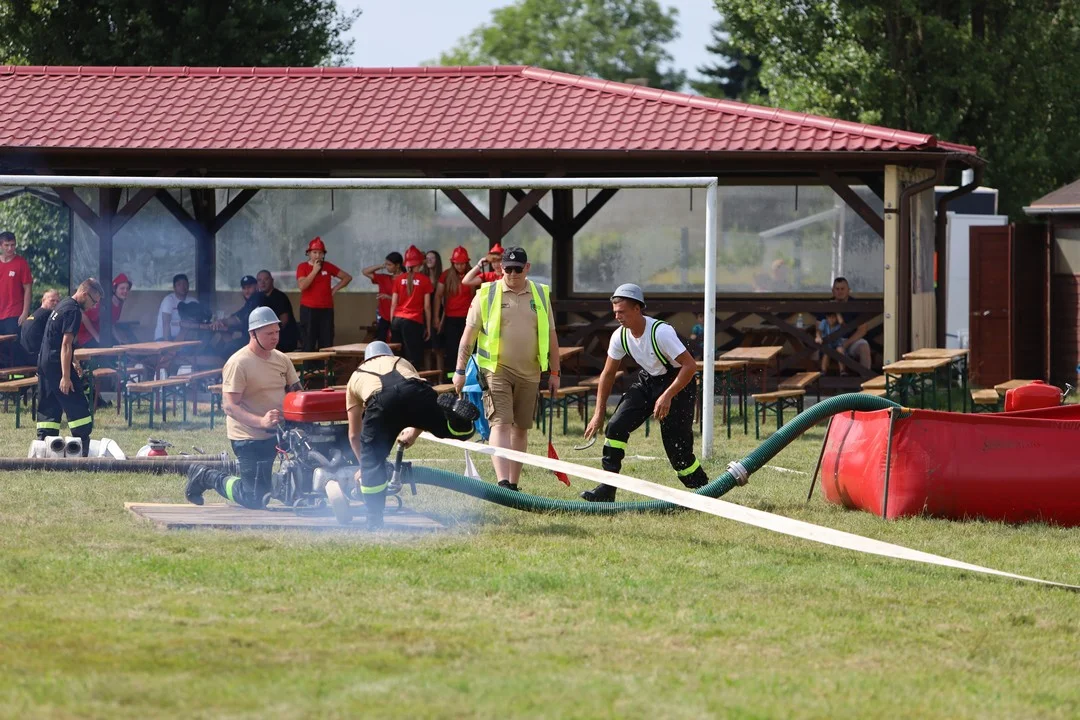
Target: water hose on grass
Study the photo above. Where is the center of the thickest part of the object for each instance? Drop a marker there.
(178, 464)
(736, 474)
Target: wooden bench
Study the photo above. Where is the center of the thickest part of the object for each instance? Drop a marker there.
(431, 375)
(200, 380)
(215, 399)
(801, 381)
(876, 392)
(98, 376)
(775, 402)
(577, 394)
(15, 373)
(445, 388)
(17, 388)
(155, 389)
(985, 401)
(877, 383)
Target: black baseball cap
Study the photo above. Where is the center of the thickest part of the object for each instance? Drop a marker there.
(515, 257)
(248, 280)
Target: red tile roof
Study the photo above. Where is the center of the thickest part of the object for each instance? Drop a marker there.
(426, 109)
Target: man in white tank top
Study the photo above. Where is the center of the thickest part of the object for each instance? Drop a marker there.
(664, 389)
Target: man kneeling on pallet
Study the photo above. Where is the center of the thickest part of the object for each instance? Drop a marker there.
(664, 389)
(254, 382)
(387, 400)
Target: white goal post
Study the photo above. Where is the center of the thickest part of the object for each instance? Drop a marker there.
(232, 183)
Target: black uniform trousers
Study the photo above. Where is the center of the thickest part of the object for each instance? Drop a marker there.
(382, 329)
(412, 403)
(452, 330)
(53, 405)
(256, 463)
(677, 429)
(411, 336)
(316, 328)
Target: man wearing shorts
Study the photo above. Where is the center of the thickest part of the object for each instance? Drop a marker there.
(513, 328)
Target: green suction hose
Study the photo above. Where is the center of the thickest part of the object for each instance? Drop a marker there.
(751, 463)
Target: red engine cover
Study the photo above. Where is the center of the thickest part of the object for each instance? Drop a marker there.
(327, 405)
(1032, 397)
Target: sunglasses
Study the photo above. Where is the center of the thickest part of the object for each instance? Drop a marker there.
(513, 270)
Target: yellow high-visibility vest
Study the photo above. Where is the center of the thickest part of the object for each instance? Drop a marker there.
(488, 340)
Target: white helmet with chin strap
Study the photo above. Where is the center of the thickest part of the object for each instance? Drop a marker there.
(261, 317)
(377, 349)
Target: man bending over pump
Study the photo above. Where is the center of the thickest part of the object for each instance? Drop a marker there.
(664, 389)
(387, 400)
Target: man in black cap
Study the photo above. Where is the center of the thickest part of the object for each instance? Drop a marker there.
(238, 320)
(281, 305)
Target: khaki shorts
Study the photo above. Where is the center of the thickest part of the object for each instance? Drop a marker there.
(510, 400)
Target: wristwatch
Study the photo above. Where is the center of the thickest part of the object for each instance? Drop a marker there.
(458, 372)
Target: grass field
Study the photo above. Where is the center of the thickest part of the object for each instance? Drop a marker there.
(509, 614)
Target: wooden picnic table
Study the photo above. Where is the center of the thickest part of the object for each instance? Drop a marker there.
(158, 347)
(300, 357)
(726, 370)
(1005, 387)
(355, 349)
(98, 352)
(911, 375)
(956, 355)
(7, 338)
(756, 357)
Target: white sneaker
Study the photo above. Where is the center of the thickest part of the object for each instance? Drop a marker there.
(338, 502)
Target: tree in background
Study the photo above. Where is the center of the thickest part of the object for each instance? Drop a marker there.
(41, 232)
(735, 76)
(609, 39)
(996, 74)
(169, 32)
(152, 32)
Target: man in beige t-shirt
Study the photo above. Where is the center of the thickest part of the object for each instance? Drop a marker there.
(255, 380)
(510, 398)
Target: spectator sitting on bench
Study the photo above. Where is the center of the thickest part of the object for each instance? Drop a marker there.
(828, 337)
(855, 346)
(239, 319)
(90, 330)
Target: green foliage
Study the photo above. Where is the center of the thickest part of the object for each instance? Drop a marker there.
(166, 32)
(735, 75)
(996, 74)
(41, 232)
(608, 39)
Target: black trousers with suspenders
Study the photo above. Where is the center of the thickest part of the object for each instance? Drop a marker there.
(676, 430)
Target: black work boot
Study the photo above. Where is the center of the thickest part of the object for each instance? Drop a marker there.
(696, 479)
(507, 485)
(200, 478)
(458, 408)
(600, 493)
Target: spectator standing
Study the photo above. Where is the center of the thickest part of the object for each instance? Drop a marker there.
(168, 319)
(16, 290)
(455, 297)
(382, 276)
(493, 260)
(410, 307)
(317, 296)
(281, 305)
(90, 330)
(516, 328)
(433, 269)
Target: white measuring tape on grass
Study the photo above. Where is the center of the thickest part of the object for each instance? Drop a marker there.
(739, 513)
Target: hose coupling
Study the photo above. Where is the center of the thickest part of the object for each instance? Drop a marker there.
(738, 472)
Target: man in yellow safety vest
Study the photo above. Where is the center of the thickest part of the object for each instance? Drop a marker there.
(511, 324)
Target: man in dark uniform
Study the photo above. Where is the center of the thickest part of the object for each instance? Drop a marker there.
(664, 389)
(33, 327)
(61, 390)
(279, 302)
(387, 400)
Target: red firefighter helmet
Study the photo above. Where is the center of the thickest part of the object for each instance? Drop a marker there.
(496, 249)
(316, 244)
(413, 257)
(120, 279)
(460, 255)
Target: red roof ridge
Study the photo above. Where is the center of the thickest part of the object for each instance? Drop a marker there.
(179, 71)
(737, 108)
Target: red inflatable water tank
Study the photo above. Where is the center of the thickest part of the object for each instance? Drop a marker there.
(327, 405)
(1033, 396)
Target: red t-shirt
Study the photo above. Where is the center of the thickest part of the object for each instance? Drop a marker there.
(411, 307)
(13, 275)
(94, 315)
(457, 306)
(490, 276)
(386, 287)
(318, 293)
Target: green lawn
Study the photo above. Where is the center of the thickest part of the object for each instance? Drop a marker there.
(510, 614)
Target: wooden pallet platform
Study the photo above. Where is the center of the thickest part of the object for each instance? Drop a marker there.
(224, 516)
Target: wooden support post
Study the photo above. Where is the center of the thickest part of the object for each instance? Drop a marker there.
(562, 249)
(108, 203)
